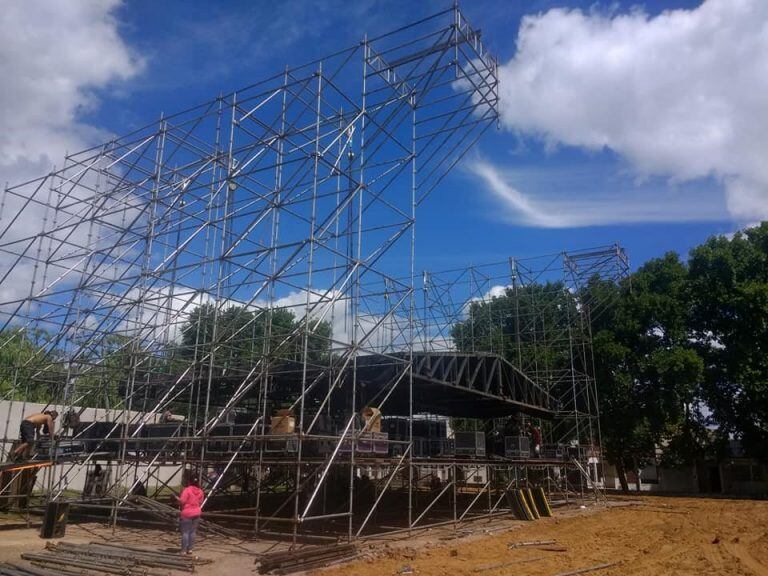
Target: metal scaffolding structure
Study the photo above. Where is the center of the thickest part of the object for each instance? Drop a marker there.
(537, 314)
(220, 285)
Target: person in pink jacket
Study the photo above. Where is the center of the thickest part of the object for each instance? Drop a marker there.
(190, 502)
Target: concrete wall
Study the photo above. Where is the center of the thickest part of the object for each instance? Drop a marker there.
(683, 479)
(744, 477)
(656, 479)
(12, 413)
(689, 480)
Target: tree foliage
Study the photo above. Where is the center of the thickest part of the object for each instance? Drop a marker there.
(526, 325)
(681, 352)
(238, 337)
(27, 368)
(647, 371)
(728, 285)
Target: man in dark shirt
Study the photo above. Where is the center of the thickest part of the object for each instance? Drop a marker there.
(535, 439)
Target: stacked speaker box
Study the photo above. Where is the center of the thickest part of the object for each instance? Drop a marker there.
(469, 443)
(220, 444)
(155, 435)
(239, 432)
(574, 452)
(368, 444)
(100, 437)
(429, 436)
(65, 449)
(554, 451)
(517, 447)
(282, 443)
(380, 444)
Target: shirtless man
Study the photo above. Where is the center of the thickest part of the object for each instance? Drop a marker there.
(29, 426)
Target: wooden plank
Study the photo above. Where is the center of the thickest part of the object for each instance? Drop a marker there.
(531, 543)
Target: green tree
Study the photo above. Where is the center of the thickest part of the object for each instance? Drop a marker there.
(27, 368)
(537, 328)
(647, 370)
(101, 377)
(527, 325)
(239, 337)
(729, 293)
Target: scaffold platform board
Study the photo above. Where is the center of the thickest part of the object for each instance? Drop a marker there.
(28, 465)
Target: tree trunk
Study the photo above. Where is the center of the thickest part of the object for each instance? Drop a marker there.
(637, 474)
(622, 474)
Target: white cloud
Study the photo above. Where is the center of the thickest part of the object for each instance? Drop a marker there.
(380, 330)
(329, 306)
(54, 54)
(679, 95)
(53, 57)
(496, 292)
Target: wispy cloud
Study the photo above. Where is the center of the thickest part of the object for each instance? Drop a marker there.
(518, 207)
(564, 206)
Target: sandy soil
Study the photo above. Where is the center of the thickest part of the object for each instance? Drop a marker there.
(646, 536)
(651, 536)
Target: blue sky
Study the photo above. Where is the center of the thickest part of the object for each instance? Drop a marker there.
(585, 154)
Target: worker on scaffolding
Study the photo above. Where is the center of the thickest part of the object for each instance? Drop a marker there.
(30, 427)
(535, 434)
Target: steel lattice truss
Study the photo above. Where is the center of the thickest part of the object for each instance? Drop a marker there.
(537, 313)
(296, 194)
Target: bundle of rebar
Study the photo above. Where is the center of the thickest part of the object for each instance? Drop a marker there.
(171, 515)
(11, 569)
(307, 559)
(104, 558)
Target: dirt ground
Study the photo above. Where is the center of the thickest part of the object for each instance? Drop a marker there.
(649, 536)
(645, 536)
